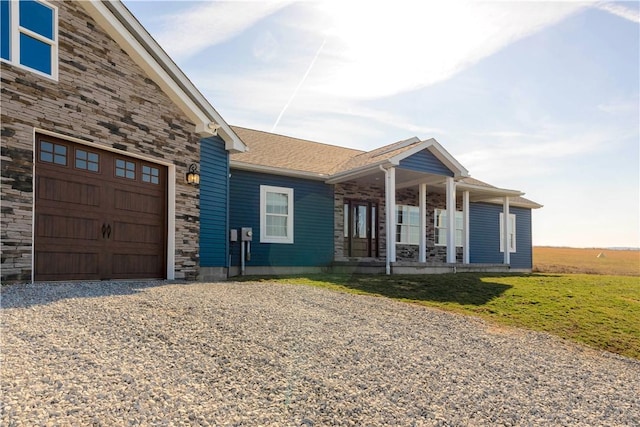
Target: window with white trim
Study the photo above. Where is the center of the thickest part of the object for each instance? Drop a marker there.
(29, 35)
(407, 224)
(440, 225)
(512, 232)
(276, 214)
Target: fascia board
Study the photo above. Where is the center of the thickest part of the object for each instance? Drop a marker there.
(121, 25)
(445, 157)
(276, 171)
(499, 201)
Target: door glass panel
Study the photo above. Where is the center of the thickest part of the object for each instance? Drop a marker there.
(125, 169)
(373, 222)
(53, 153)
(150, 174)
(360, 224)
(87, 160)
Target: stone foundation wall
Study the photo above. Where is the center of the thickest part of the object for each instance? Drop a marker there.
(102, 97)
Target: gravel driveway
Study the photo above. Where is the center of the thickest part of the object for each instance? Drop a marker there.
(251, 354)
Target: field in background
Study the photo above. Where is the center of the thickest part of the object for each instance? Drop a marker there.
(587, 261)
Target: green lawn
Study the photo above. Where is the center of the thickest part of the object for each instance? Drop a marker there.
(600, 311)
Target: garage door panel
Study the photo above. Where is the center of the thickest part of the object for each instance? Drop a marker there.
(138, 233)
(137, 202)
(68, 227)
(135, 265)
(68, 265)
(59, 190)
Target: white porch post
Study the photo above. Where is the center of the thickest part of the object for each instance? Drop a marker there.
(465, 233)
(422, 242)
(391, 214)
(505, 230)
(451, 220)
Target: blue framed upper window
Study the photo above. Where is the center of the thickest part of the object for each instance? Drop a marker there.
(29, 35)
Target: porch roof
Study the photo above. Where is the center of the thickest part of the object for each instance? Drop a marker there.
(284, 155)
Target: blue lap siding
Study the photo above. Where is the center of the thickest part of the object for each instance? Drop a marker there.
(425, 161)
(313, 220)
(214, 196)
(484, 235)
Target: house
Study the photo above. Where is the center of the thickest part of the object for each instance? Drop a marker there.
(99, 129)
(408, 207)
(102, 135)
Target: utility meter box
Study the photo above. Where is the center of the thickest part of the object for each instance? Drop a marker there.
(246, 234)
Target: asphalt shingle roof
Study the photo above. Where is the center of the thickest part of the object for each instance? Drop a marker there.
(285, 152)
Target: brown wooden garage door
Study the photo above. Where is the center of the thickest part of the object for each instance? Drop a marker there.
(99, 215)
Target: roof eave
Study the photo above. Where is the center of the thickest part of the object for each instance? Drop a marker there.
(251, 167)
(529, 204)
(133, 38)
(480, 193)
(358, 172)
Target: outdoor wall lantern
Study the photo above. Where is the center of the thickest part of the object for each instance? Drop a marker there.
(193, 176)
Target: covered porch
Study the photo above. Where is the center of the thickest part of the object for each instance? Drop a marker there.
(412, 209)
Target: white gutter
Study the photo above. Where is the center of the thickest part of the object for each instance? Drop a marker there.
(234, 164)
(357, 172)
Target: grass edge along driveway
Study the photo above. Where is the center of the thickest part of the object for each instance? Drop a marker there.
(600, 311)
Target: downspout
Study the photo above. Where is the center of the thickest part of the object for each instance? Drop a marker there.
(387, 266)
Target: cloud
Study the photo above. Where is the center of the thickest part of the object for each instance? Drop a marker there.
(502, 161)
(619, 107)
(394, 47)
(632, 15)
(186, 33)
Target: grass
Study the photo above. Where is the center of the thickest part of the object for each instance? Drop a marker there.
(575, 260)
(598, 310)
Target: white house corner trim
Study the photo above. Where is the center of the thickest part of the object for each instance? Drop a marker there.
(171, 223)
(466, 249)
(505, 231)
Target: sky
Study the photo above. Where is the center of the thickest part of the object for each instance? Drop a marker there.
(541, 97)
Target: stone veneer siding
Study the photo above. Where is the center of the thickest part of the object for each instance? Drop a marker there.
(407, 196)
(103, 97)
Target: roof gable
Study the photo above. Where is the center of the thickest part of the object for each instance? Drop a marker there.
(425, 161)
(394, 154)
(439, 153)
(124, 28)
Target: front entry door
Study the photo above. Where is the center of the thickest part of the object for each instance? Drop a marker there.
(361, 223)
